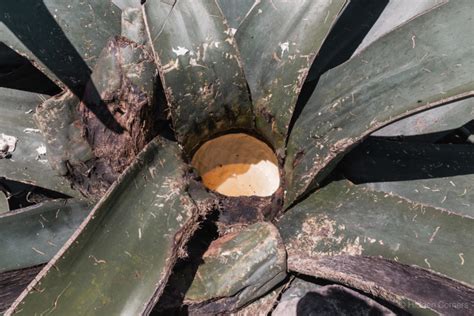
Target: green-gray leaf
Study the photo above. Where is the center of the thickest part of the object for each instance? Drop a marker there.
(422, 64)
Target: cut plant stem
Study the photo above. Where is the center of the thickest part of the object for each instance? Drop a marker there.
(238, 165)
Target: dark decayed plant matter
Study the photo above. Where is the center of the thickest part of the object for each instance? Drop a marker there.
(262, 157)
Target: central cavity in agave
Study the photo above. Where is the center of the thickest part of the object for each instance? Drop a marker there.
(238, 165)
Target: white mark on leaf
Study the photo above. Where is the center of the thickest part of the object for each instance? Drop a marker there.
(284, 47)
(180, 51)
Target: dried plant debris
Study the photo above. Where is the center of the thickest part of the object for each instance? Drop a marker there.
(82, 147)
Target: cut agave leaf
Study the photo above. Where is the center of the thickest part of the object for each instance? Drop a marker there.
(369, 240)
(33, 235)
(62, 39)
(278, 42)
(27, 160)
(424, 63)
(238, 268)
(119, 259)
(200, 69)
(306, 298)
(433, 124)
(441, 175)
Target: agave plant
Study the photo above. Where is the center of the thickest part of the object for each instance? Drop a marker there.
(247, 157)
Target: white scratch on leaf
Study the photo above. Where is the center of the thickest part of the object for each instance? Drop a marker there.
(461, 256)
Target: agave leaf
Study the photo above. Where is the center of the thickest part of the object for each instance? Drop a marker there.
(235, 12)
(306, 298)
(352, 26)
(440, 176)
(278, 42)
(200, 69)
(32, 235)
(238, 268)
(119, 259)
(342, 218)
(396, 13)
(63, 39)
(367, 239)
(28, 162)
(412, 289)
(433, 124)
(422, 64)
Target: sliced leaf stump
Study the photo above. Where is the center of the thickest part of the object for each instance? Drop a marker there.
(238, 268)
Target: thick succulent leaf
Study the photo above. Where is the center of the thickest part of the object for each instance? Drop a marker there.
(342, 218)
(339, 231)
(33, 235)
(28, 162)
(412, 289)
(396, 13)
(352, 26)
(433, 124)
(238, 268)
(61, 38)
(278, 42)
(306, 298)
(119, 259)
(200, 69)
(342, 221)
(441, 175)
(235, 12)
(423, 64)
